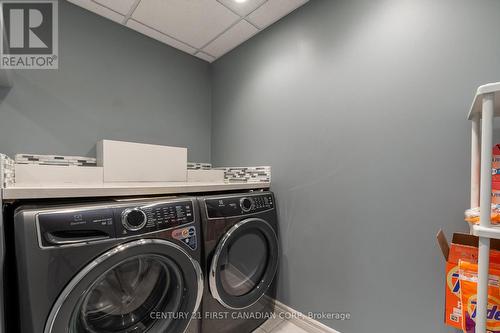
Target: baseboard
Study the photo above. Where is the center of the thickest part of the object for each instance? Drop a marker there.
(303, 321)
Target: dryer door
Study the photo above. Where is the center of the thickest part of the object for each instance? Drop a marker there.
(146, 285)
(244, 264)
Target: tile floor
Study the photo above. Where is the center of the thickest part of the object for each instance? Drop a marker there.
(277, 325)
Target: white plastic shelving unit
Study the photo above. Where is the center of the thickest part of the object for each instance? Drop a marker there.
(485, 107)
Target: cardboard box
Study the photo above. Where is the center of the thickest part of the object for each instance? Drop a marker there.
(53, 175)
(137, 162)
(462, 247)
(206, 176)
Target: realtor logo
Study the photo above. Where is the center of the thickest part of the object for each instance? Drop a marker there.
(29, 36)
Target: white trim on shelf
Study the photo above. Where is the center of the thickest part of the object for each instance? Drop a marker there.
(124, 189)
(477, 103)
(489, 232)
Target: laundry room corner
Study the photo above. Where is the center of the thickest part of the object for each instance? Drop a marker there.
(362, 119)
(249, 166)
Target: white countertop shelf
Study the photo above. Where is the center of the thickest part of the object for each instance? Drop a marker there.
(490, 88)
(123, 189)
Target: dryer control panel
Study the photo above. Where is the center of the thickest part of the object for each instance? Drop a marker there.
(240, 205)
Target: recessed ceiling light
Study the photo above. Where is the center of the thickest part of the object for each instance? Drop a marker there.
(240, 1)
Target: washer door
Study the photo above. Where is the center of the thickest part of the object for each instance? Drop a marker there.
(244, 264)
(147, 285)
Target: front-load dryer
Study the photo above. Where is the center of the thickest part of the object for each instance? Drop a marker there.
(241, 253)
(130, 266)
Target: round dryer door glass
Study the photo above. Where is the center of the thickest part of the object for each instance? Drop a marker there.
(244, 264)
(241, 272)
(124, 297)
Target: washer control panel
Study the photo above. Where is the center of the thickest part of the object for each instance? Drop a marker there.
(83, 225)
(154, 217)
(236, 206)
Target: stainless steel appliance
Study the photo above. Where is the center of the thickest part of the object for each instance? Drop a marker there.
(131, 266)
(241, 253)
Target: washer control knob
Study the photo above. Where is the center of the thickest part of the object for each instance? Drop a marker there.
(247, 204)
(134, 219)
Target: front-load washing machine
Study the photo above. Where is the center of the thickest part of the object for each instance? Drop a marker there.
(241, 252)
(129, 266)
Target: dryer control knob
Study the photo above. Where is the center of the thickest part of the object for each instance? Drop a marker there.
(134, 219)
(246, 204)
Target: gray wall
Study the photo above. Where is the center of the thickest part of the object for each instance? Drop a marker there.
(112, 83)
(360, 107)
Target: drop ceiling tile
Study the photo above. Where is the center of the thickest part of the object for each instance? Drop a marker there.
(272, 11)
(195, 22)
(204, 56)
(242, 8)
(231, 38)
(98, 9)
(121, 6)
(159, 36)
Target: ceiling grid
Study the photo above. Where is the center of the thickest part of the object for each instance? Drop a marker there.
(206, 29)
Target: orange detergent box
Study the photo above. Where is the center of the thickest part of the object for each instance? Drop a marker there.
(495, 163)
(463, 247)
(495, 158)
(468, 292)
(495, 192)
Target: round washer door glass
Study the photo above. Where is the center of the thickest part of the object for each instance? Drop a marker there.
(133, 288)
(124, 297)
(244, 264)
